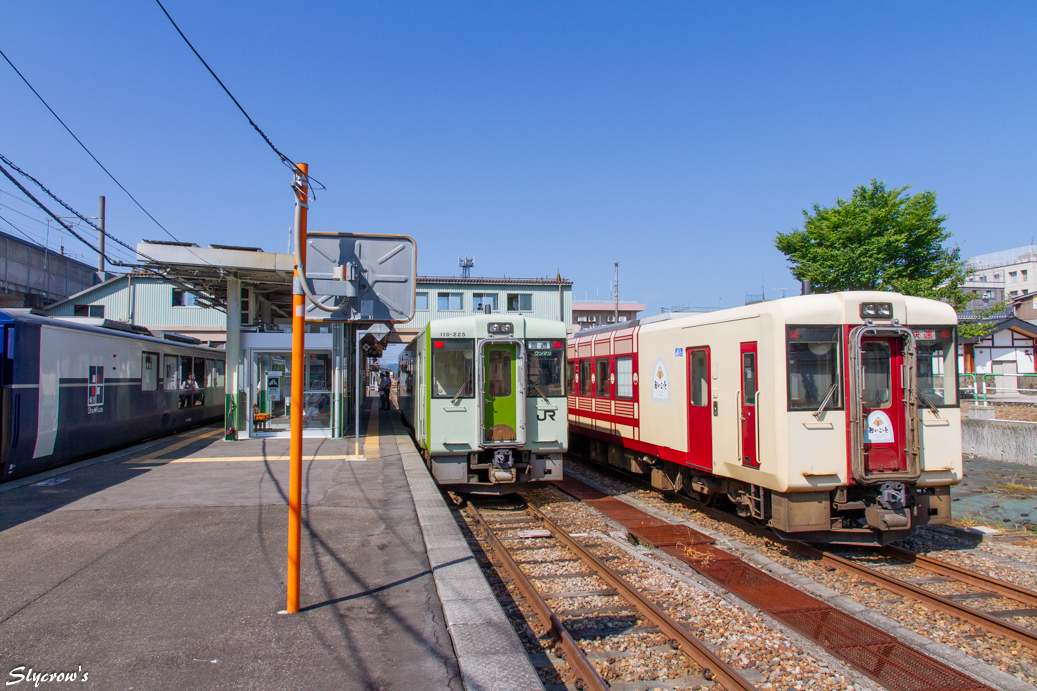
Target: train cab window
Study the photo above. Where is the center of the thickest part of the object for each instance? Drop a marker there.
(498, 374)
(452, 368)
(601, 379)
(875, 360)
(813, 367)
(544, 366)
(625, 377)
(570, 378)
(937, 366)
(585, 378)
(700, 378)
(149, 372)
(170, 375)
(749, 378)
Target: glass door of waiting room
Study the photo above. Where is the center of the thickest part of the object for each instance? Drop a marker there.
(271, 393)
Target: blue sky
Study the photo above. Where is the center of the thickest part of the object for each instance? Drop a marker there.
(676, 138)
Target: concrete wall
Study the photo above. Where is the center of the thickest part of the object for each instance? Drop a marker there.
(1001, 440)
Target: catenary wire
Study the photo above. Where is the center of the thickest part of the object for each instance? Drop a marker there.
(90, 154)
(284, 159)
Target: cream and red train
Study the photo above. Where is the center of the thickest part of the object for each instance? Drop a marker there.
(830, 417)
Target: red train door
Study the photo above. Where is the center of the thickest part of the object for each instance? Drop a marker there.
(882, 406)
(747, 405)
(700, 422)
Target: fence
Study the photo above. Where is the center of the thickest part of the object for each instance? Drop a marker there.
(1025, 386)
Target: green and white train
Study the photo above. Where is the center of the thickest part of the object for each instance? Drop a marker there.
(485, 397)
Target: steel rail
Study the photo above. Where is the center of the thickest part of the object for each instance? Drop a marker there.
(891, 583)
(694, 648)
(1003, 588)
(574, 657)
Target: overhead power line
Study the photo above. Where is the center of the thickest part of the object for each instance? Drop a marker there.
(284, 159)
(89, 153)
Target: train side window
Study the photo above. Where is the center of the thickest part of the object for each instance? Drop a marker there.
(625, 377)
(749, 378)
(585, 378)
(813, 367)
(171, 380)
(570, 377)
(699, 378)
(221, 376)
(601, 379)
(452, 368)
(210, 374)
(149, 372)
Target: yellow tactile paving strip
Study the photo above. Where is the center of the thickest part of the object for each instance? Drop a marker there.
(173, 447)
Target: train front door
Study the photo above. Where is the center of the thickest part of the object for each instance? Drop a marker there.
(700, 416)
(882, 404)
(500, 393)
(747, 405)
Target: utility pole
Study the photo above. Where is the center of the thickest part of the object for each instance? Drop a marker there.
(301, 187)
(100, 240)
(615, 317)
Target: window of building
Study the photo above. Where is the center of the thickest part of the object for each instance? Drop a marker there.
(182, 298)
(421, 301)
(1013, 293)
(482, 302)
(447, 302)
(149, 372)
(1023, 274)
(89, 311)
(625, 377)
(246, 306)
(997, 277)
(601, 387)
(520, 302)
(585, 378)
(622, 317)
(452, 370)
(1013, 276)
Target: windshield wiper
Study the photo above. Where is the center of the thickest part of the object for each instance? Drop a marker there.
(824, 403)
(457, 395)
(537, 389)
(925, 399)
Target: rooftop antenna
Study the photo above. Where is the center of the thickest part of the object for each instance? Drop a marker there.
(615, 317)
(466, 265)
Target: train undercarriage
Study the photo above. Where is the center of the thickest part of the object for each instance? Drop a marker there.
(857, 514)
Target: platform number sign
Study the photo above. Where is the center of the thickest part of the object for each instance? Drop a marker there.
(95, 391)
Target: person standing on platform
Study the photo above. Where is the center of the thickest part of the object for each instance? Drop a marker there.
(383, 390)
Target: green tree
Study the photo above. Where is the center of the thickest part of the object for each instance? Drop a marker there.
(881, 239)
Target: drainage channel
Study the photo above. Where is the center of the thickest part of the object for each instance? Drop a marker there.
(874, 653)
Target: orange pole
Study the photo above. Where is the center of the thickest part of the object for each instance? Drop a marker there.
(298, 405)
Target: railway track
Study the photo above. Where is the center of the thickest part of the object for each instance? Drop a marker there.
(873, 652)
(980, 586)
(595, 603)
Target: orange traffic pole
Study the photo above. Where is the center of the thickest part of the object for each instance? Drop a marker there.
(298, 405)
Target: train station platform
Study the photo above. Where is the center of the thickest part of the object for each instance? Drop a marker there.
(164, 566)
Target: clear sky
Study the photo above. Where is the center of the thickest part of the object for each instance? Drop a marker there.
(675, 138)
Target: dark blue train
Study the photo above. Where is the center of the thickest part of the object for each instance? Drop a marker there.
(77, 387)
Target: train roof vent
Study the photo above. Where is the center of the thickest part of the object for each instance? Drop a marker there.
(108, 324)
(178, 338)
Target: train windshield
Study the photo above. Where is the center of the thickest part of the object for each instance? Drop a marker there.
(545, 367)
(937, 365)
(452, 370)
(814, 367)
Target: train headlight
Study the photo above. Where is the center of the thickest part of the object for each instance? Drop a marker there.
(498, 328)
(876, 310)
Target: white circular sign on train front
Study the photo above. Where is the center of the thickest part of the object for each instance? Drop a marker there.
(879, 429)
(660, 383)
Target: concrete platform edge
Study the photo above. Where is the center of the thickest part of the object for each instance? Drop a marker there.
(507, 667)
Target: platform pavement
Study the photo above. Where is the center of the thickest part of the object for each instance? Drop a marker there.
(163, 567)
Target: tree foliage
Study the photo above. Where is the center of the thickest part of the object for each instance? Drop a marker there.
(881, 239)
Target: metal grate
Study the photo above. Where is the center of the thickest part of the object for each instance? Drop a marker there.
(669, 534)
